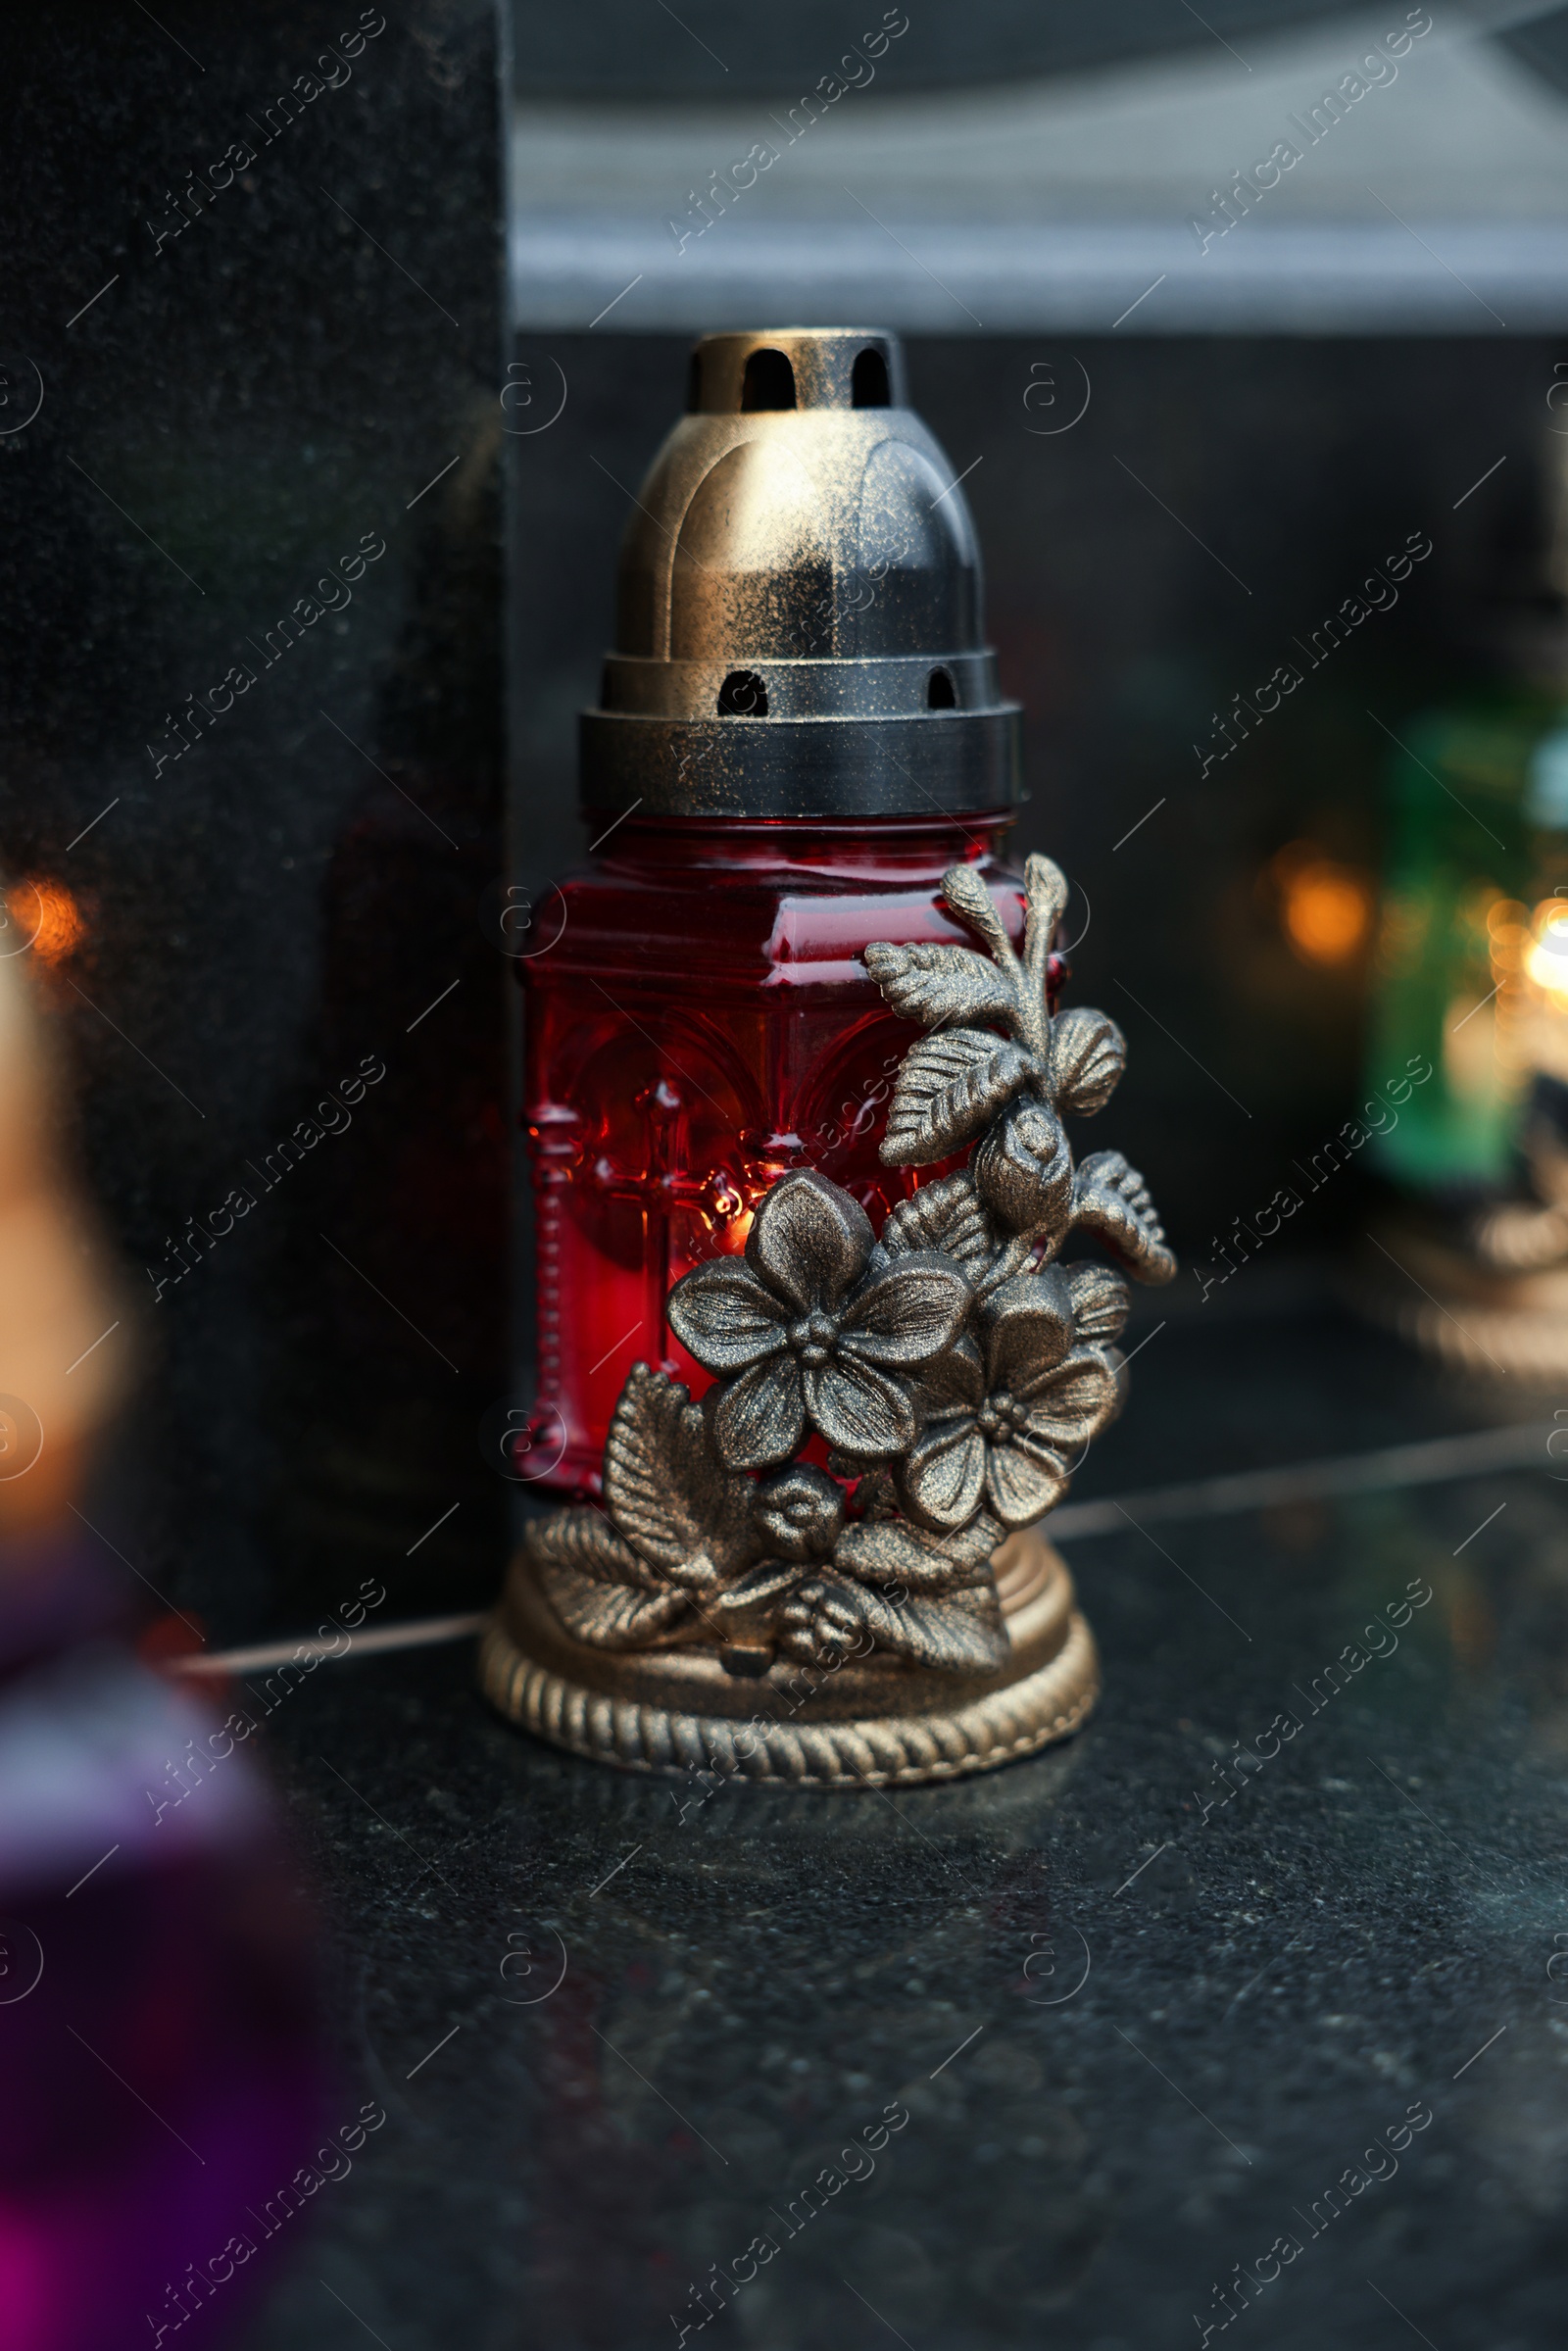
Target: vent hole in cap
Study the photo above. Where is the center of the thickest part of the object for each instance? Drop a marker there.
(869, 384)
(769, 382)
(939, 692)
(743, 694)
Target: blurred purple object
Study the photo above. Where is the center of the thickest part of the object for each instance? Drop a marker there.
(159, 2058)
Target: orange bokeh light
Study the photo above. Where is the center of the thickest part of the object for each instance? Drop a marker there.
(46, 913)
(1325, 908)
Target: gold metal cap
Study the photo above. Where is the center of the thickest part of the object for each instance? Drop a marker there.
(799, 613)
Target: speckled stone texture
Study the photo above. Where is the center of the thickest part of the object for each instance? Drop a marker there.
(1135, 2046)
(241, 406)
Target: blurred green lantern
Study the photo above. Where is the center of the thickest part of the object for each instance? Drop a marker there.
(1471, 977)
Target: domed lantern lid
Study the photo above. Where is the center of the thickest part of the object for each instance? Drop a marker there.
(798, 609)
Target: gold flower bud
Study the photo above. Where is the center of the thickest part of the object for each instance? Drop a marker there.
(1023, 1168)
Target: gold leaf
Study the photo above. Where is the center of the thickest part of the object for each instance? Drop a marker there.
(960, 1632)
(937, 984)
(894, 1551)
(1099, 1303)
(607, 1616)
(585, 1543)
(945, 1215)
(665, 1491)
(1088, 1054)
(596, 1583)
(947, 1089)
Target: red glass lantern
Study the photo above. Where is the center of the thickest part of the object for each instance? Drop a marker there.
(800, 732)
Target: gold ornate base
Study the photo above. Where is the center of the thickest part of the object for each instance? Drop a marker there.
(872, 1723)
(1473, 1317)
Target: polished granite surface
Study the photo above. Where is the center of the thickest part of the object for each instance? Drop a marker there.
(1061, 2046)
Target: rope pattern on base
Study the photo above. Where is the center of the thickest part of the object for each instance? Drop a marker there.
(870, 1752)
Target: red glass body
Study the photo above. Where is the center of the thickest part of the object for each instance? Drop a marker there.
(701, 1024)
